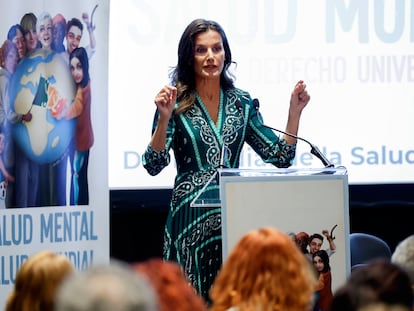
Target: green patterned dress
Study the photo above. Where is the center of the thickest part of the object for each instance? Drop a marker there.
(193, 234)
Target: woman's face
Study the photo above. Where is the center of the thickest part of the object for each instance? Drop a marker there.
(76, 69)
(209, 55)
(31, 39)
(318, 263)
(45, 33)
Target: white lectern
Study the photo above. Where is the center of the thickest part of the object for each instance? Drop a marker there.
(292, 200)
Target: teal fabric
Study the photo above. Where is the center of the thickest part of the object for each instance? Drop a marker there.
(193, 235)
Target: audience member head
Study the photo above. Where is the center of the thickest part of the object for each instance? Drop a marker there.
(172, 287)
(384, 307)
(106, 287)
(264, 271)
(379, 282)
(37, 281)
(404, 256)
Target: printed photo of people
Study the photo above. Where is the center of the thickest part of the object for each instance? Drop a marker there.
(314, 247)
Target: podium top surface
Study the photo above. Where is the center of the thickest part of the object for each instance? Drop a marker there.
(282, 171)
(209, 196)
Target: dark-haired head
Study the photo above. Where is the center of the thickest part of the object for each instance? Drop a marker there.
(80, 53)
(315, 236)
(13, 31)
(74, 22)
(377, 282)
(183, 73)
(323, 255)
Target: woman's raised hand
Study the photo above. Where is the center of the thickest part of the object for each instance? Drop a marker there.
(165, 101)
(299, 98)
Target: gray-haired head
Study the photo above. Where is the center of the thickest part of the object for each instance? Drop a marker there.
(106, 288)
(404, 256)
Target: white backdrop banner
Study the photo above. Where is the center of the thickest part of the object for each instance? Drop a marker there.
(356, 57)
(53, 133)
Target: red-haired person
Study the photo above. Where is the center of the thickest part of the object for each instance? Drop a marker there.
(264, 271)
(171, 285)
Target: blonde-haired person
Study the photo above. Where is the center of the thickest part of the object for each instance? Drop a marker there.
(265, 271)
(37, 281)
(28, 23)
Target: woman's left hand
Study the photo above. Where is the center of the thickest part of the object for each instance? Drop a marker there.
(299, 98)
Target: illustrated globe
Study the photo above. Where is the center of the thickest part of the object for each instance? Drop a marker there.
(42, 85)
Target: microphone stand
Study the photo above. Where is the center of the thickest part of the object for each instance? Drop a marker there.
(223, 155)
(314, 149)
(200, 200)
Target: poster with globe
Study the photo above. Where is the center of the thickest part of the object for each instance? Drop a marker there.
(53, 133)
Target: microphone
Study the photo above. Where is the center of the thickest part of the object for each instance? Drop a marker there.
(240, 107)
(314, 149)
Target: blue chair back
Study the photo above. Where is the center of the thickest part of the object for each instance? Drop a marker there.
(367, 247)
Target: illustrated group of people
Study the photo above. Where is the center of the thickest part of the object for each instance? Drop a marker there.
(25, 182)
(265, 271)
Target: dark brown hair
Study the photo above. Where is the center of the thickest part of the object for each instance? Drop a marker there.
(183, 76)
(377, 282)
(264, 271)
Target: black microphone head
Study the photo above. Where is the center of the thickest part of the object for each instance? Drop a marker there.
(256, 104)
(239, 105)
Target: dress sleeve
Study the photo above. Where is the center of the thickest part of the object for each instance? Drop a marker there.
(266, 143)
(155, 161)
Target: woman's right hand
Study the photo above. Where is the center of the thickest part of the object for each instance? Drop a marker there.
(165, 101)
